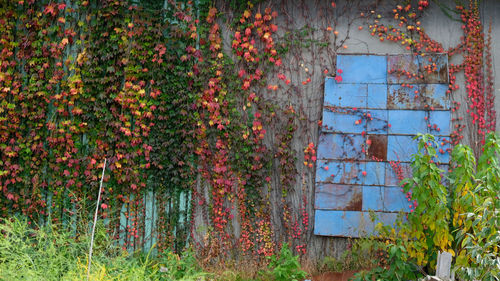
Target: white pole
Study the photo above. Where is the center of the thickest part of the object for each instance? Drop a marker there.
(95, 220)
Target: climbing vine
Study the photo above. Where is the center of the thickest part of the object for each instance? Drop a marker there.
(180, 97)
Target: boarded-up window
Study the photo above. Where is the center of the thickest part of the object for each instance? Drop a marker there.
(370, 117)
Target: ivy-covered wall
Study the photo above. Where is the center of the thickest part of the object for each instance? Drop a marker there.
(206, 111)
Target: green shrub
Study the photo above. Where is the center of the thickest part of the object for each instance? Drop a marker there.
(286, 267)
(461, 217)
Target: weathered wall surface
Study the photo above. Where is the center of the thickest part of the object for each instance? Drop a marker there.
(315, 33)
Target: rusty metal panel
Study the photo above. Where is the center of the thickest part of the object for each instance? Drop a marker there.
(338, 197)
(434, 96)
(431, 69)
(370, 118)
(376, 147)
(407, 97)
(396, 64)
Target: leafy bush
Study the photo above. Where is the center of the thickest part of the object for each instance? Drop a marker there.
(286, 267)
(462, 218)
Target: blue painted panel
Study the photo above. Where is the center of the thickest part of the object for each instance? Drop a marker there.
(344, 122)
(343, 223)
(395, 200)
(375, 173)
(376, 121)
(399, 97)
(388, 115)
(330, 146)
(362, 68)
(338, 197)
(377, 96)
(349, 223)
(330, 223)
(358, 224)
(353, 147)
(391, 176)
(407, 122)
(435, 96)
(401, 148)
(345, 95)
(339, 172)
(373, 198)
(340, 146)
(387, 218)
(442, 121)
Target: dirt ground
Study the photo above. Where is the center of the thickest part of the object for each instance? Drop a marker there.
(334, 276)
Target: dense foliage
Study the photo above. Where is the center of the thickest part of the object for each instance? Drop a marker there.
(461, 217)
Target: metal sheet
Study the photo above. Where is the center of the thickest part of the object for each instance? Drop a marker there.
(345, 95)
(395, 200)
(434, 96)
(375, 173)
(400, 97)
(341, 146)
(339, 172)
(401, 148)
(370, 119)
(439, 122)
(373, 198)
(338, 197)
(377, 121)
(377, 96)
(430, 69)
(407, 122)
(344, 121)
(391, 173)
(349, 223)
(377, 147)
(362, 68)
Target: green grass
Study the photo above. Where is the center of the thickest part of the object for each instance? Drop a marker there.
(54, 253)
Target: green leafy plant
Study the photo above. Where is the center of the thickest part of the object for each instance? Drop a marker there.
(471, 200)
(286, 266)
(478, 223)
